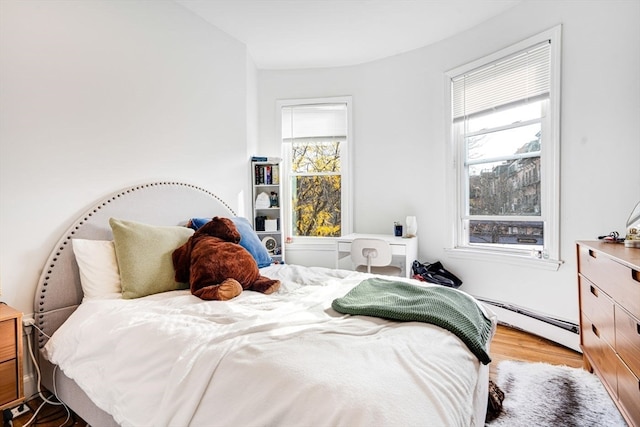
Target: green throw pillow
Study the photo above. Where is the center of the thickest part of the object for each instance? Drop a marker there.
(144, 256)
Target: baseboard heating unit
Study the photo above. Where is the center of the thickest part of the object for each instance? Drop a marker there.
(557, 330)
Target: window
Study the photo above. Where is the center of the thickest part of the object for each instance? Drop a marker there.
(504, 120)
(315, 145)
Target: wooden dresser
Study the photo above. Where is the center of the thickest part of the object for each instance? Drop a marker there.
(11, 385)
(609, 281)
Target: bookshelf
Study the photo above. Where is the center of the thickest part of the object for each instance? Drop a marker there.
(267, 207)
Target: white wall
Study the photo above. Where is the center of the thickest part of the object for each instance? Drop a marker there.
(399, 132)
(96, 96)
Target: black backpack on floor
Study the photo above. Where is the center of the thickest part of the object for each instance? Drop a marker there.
(435, 273)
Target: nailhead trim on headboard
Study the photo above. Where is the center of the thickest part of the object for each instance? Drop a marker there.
(63, 312)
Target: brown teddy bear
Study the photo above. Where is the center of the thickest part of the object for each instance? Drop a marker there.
(216, 266)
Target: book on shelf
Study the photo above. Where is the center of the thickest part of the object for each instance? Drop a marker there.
(267, 174)
(259, 173)
(266, 159)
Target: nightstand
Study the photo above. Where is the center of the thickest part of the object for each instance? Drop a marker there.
(11, 385)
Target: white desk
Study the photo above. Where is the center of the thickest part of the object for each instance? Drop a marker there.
(403, 250)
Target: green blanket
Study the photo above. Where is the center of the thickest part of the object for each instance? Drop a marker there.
(441, 306)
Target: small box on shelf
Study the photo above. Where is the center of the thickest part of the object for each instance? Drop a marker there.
(271, 225)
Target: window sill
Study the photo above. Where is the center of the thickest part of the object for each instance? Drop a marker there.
(506, 258)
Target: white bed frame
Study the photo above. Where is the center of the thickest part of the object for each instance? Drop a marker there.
(59, 291)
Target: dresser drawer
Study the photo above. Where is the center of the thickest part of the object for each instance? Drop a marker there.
(622, 283)
(8, 383)
(627, 290)
(600, 355)
(597, 267)
(598, 307)
(7, 340)
(628, 339)
(629, 393)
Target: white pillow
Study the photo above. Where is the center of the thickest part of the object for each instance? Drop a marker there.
(99, 274)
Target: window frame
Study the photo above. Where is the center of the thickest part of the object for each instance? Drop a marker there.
(549, 258)
(346, 148)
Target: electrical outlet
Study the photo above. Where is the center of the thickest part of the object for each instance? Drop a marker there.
(19, 410)
(28, 321)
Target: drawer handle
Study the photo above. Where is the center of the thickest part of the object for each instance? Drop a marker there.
(638, 328)
(592, 253)
(595, 330)
(635, 275)
(593, 290)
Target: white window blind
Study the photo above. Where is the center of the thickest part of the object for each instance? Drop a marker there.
(520, 77)
(314, 121)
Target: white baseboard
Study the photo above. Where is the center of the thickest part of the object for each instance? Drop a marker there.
(537, 327)
(30, 385)
(29, 378)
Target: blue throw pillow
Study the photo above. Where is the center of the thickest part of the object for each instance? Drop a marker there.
(248, 238)
(196, 223)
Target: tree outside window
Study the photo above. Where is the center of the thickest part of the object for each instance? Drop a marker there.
(316, 188)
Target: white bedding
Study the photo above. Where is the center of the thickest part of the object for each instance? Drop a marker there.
(285, 359)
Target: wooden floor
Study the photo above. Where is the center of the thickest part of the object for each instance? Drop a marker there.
(513, 344)
(508, 344)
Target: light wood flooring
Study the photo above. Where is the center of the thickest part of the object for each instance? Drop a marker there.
(508, 344)
(514, 344)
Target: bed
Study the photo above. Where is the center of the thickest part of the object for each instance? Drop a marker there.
(289, 358)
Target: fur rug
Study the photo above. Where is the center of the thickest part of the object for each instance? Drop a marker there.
(539, 394)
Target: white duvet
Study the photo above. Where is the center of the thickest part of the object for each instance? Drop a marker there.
(286, 359)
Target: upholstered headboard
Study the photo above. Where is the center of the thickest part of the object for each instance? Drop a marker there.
(160, 203)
